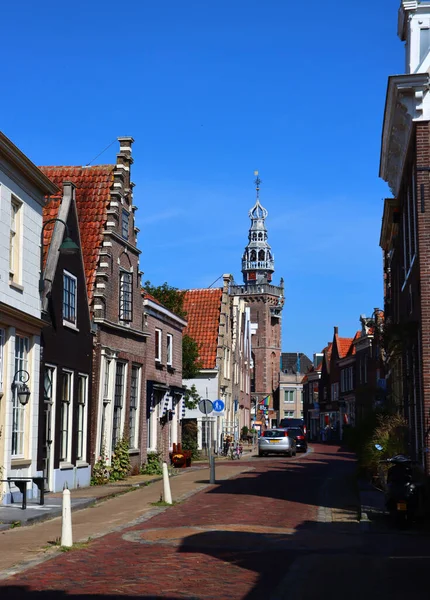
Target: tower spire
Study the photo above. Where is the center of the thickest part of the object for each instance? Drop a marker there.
(257, 261)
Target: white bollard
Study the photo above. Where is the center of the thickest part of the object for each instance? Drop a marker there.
(66, 524)
(166, 485)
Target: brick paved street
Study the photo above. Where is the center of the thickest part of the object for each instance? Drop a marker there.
(284, 529)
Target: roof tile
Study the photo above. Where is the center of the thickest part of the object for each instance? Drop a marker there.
(203, 308)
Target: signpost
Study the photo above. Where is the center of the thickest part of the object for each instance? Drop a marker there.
(206, 407)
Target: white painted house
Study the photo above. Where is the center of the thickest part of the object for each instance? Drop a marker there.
(23, 188)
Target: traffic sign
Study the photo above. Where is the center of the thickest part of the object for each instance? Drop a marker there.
(205, 406)
(218, 406)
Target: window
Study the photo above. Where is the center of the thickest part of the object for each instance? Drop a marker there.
(125, 223)
(289, 396)
(169, 349)
(125, 296)
(158, 345)
(82, 417)
(18, 411)
(69, 298)
(2, 342)
(66, 398)
(118, 403)
(106, 379)
(288, 413)
(134, 406)
(334, 391)
(15, 241)
(424, 43)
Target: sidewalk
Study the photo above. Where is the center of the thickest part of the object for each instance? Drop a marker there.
(28, 546)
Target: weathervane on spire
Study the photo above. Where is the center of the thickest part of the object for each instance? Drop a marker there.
(257, 183)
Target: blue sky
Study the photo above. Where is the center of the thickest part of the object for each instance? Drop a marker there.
(212, 91)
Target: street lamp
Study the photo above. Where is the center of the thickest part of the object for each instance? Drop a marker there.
(19, 384)
(67, 247)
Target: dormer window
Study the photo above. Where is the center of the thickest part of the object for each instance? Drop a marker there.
(125, 224)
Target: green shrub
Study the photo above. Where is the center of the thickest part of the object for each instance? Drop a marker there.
(189, 438)
(120, 464)
(101, 471)
(390, 433)
(153, 465)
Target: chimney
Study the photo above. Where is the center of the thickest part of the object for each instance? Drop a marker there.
(227, 279)
(336, 330)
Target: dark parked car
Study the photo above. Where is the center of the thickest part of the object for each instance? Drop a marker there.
(299, 435)
(291, 422)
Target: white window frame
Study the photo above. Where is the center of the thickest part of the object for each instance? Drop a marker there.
(157, 343)
(125, 296)
(82, 419)
(289, 396)
(169, 349)
(66, 411)
(15, 240)
(73, 321)
(118, 405)
(22, 351)
(134, 407)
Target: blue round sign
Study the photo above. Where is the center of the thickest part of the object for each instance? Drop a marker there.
(218, 405)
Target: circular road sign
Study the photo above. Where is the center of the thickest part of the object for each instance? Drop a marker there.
(206, 406)
(218, 405)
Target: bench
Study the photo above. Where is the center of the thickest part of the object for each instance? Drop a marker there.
(21, 484)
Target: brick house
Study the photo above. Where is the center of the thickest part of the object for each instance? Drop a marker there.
(163, 376)
(104, 200)
(405, 235)
(23, 189)
(311, 398)
(294, 365)
(67, 349)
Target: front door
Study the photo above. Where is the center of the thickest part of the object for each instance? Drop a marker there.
(47, 427)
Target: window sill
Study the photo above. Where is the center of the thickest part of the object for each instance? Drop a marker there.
(133, 450)
(80, 464)
(171, 369)
(158, 365)
(20, 463)
(70, 325)
(64, 466)
(16, 286)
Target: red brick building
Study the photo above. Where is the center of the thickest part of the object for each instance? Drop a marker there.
(104, 200)
(163, 375)
(266, 302)
(405, 234)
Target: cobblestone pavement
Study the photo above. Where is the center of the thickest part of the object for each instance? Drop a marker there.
(287, 528)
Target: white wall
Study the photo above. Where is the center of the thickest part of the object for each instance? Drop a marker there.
(27, 299)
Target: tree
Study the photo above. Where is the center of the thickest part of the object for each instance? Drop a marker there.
(191, 397)
(170, 297)
(173, 299)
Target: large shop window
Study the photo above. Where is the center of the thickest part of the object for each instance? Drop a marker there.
(82, 417)
(22, 345)
(134, 406)
(69, 298)
(65, 415)
(125, 296)
(118, 403)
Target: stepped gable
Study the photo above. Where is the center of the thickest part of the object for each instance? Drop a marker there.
(203, 308)
(93, 187)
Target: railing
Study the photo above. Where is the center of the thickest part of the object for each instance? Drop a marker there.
(267, 265)
(262, 288)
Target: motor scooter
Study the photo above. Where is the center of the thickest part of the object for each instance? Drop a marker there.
(405, 488)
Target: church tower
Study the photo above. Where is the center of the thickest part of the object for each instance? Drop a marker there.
(266, 302)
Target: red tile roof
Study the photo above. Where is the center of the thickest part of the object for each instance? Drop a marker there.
(147, 296)
(93, 186)
(343, 346)
(203, 308)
